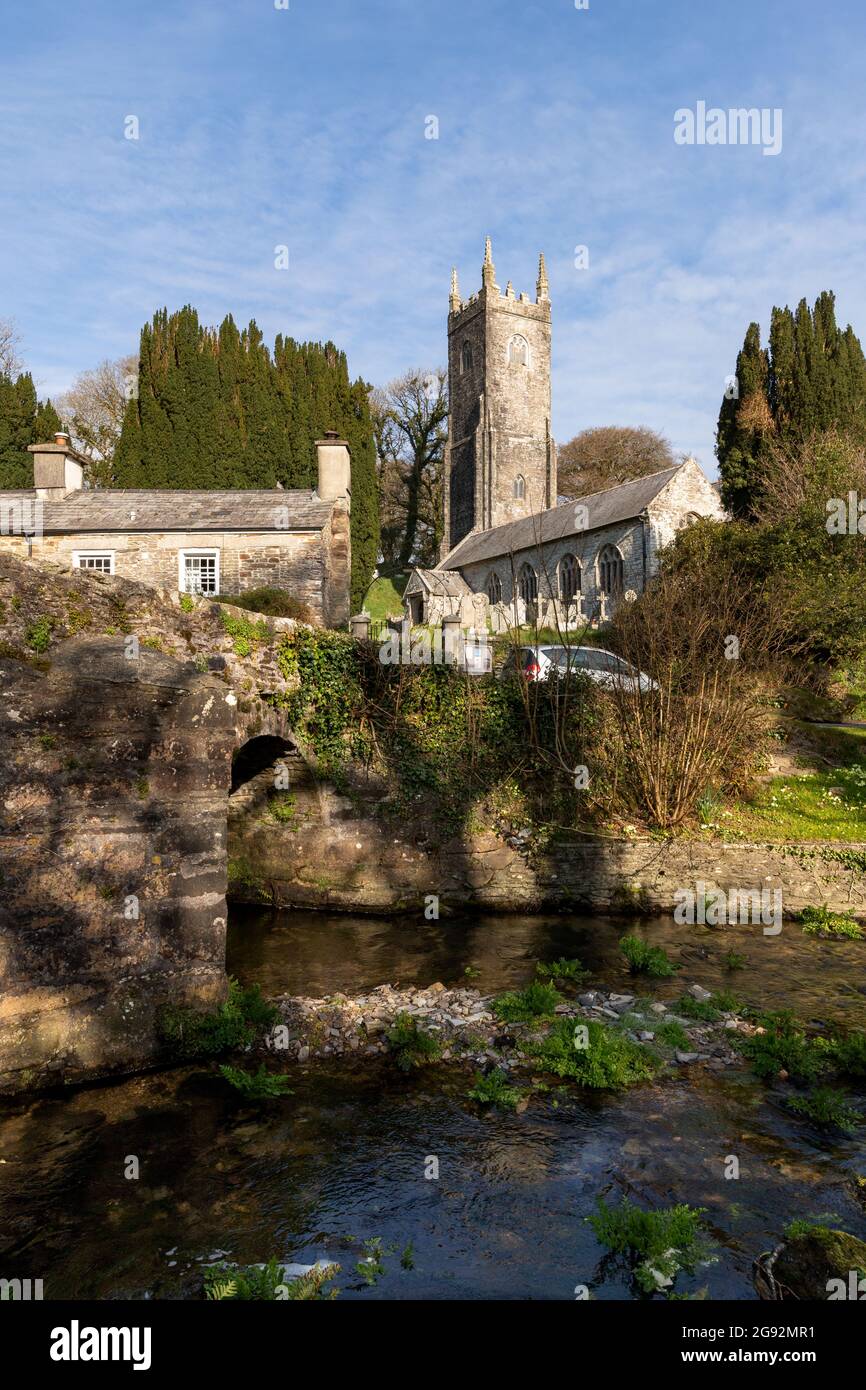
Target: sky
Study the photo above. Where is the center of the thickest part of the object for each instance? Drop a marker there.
(304, 124)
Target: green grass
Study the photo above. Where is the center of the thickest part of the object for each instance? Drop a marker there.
(521, 1006)
(493, 1089)
(644, 959)
(818, 803)
(608, 1061)
(412, 1045)
(699, 1010)
(673, 1035)
(384, 598)
(657, 1242)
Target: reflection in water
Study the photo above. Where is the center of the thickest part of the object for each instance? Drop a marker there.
(342, 1159)
(310, 953)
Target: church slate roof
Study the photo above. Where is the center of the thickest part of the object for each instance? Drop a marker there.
(447, 583)
(120, 509)
(615, 504)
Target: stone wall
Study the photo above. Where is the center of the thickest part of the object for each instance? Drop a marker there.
(299, 563)
(372, 867)
(112, 854)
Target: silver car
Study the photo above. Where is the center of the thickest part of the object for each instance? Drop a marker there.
(603, 667)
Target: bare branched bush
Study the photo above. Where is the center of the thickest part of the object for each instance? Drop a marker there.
(713, 649)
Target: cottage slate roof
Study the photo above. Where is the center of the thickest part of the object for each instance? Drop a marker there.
(604, 509)
(121, 509)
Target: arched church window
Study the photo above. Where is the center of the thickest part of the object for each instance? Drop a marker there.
(494, 587)
(569, 577)
(520, 487)
(527, 584)
(466, 357)
(518, 351)
(610, 571)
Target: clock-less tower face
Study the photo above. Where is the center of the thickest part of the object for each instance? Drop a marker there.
(501, 463)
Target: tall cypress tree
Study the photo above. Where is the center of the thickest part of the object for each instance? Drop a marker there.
(812, 378)
(23, 420)
(216, 409)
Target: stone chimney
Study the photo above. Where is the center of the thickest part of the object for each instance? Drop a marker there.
(334, 460)
(57, 469)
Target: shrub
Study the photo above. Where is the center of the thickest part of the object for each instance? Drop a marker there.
(609, 1061)
(260, 1085)
(267, 1282)
(659, 1242)
(412, 1045)
(826, 1108)
(818, 921)
(237, 1023)
(563, 969)
(275, 603)
(848, 1054)
(784, 1046)
(38, 634)
(493, 1089)
(537, 1000)
(644, 959)
(732, 961)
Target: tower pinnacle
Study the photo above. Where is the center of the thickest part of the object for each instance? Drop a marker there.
(488, 270)
(542, 288)
(455, 290)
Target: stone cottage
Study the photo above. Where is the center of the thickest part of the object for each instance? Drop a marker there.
(514, 552)
(193, 542)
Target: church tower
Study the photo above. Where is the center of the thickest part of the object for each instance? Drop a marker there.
(500, 461)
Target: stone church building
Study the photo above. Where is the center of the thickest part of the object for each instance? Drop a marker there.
(514, 552)
(192, 542)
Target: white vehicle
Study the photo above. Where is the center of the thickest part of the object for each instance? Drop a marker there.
(604, 668)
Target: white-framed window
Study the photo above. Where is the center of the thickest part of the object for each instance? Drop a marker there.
(100, 560)
(199, 572)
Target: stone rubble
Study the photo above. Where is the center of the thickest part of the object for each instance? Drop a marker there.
(468, 1030)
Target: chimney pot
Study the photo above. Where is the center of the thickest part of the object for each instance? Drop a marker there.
(61, 437)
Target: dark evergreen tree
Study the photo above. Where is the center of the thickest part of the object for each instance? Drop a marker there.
(216, 409)
(23, 420)
(813, 378)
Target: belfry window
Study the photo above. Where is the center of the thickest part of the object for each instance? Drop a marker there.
(466, 357)
(520, 487)
(518, 352)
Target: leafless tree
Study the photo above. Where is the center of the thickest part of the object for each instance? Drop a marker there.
(609, 454)
(10, 342)
(94, 408)
(410, 418)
